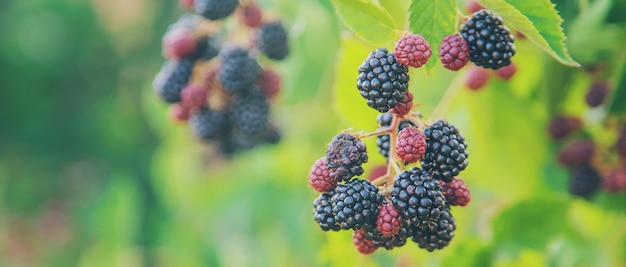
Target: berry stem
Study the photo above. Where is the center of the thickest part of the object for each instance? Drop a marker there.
(416, 121)
(376, 133)
(446, 99)
(393, 136)
(378, 181)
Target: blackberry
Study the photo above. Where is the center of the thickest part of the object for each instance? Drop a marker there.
(239, 70)
(490, 42)
(272, 40)
(620, 145)
(453, 52)
(178, 113)
(411, 144)
(178, 43)
(382, 80)
(404, 107)
(186, 4)
(269, 83)
(215, 9)
(472, 6)
(319, 176)
(355, 204)
(323, 212)
(172, 78)
(382, 141)
(456, 192)
(206, 49)
(251, 15)
(345, 155)
(273, 135)
(412, 50)
(417, 196)
(436, 234)
(476, 78)
(208, 124)
(597, 93)
(506, 72)
(193, 96)
(397, 240)
(384, 119)
(250, 112)
(363, 245)
(563, 125)
(446, 153)
(389, 220)
(584, 180)
(615, 180)
(576, 152)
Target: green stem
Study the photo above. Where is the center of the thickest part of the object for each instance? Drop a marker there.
(446, 99)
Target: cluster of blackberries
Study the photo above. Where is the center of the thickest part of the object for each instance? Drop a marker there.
(394, 205)
(218, 85)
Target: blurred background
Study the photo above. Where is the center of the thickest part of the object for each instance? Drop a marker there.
(93, 172)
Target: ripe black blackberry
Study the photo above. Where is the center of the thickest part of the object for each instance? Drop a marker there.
(399, 239)
(250, 112)
(215, 9)
(206, 49)
(239, 70)
(446, 153)
(345, 155)
(417, 196)
(597, 93)
(584, 180)
(173, 76)
(208, 124)
(435, 234)
(563, 125)
(576, 152)
(323, 212)
(355, 204)
(382, 80)
(272, 40)
(490, 42)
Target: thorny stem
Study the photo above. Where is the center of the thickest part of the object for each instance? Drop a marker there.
(376, 133)
(446, 99)
(393, 135)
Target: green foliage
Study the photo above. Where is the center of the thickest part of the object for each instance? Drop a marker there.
(367, 20)
(592, 40)
(433, 19)
(538, 20)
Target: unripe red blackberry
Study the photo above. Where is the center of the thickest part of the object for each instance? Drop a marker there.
(171, 79)
(186, 4)
(410, 144)
(615, 180)
(506, 72)
(412, 50)
(239, 70)
(251, 15)
(397, 240)
(383, 142)
(584, 180)
(456, 192)
(563, 125)
(215, 9)
(269, 83)
(404, 106)
(472, 6)
(576, 152)
(193, 96)
(476, 79)
(435, 234)
(272, 40)
(178, 43)
(597, 93)
(417, 196)
(208, 124)
(363, 245)
(446, 153)
(389, 220)
(453, 52)
(345, 156)
(382, 81)
(355, 204)
(178, 113)
(490, 42)
(319, 177)
(620, 145)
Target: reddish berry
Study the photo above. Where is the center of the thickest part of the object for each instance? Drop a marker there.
(178, 43)
(506, 72)
(597, 93)
(193, 96)
(389, 221)
(620, 146)
(319, 177)
(453, 52)
(178, 112)
(563, 125)
(363, 245)
(411, 144)
(269, 83)
(577, 152)
(456, 192)
(404, 107)
(186, 4)
(377, 172)
(412, 50)
(615, 181)
(251, 15)
(477, 78)
(473, 6)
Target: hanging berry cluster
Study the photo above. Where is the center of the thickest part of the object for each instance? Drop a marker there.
(410, 197)
(212, 76)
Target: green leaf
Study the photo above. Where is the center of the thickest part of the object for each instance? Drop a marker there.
(590, 39)
(433, 19)
(399, 9)
(367, 20)
(618, 105)
(538, 20)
